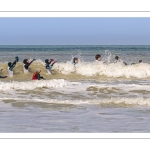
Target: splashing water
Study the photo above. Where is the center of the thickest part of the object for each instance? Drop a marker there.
(78, 55)
(108, 57)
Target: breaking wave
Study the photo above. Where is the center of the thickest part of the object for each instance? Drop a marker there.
(100, 69)
(86, 69)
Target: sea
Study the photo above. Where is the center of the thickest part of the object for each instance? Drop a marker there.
(91, 97)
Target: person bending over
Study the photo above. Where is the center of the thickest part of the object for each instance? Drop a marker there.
(36, 75)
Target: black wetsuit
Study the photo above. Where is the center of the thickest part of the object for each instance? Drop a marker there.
(11, 67)
(26, 66)
(3, 76)
(50, 64)
(125, 63)
(120, 61)
(39, 77)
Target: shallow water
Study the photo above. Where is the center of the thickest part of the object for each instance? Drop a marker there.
(64, 118)
(91, 97)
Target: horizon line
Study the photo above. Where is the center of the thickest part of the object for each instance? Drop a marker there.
(75, 45)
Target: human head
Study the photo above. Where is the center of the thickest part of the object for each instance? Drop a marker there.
(98, 57)
(25, 61)
(117, 57)
(75, 60)
(46, 61)
(9, 64)
(38, 70)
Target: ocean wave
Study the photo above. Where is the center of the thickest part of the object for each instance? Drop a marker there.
(61, 91)
(86, 69)
(31, 85)
(109, 70)
(113, 102)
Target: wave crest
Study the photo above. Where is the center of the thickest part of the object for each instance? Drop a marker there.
(111, 70)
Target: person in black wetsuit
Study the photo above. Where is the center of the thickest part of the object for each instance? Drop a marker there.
(37, 76)
(140, 61)
(12, 65)
(49, 64)
(26, 65)
(2, 76)
(117, 59)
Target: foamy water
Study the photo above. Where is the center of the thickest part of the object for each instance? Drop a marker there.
(109, 70)
(65, 92)
(85, 69)
(91, 97)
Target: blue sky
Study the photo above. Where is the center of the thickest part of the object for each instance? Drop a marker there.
(74, 31)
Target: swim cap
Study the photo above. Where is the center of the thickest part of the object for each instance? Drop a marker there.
(25, 61)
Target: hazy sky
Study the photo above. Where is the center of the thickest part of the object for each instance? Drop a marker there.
(74, 31)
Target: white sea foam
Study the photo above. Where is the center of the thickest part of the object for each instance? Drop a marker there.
(71, 87)
(110, 70)
(31, 85)
(64, 68)
(77, 92)
(90, 69)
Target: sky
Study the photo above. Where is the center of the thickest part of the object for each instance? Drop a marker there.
(75, 31)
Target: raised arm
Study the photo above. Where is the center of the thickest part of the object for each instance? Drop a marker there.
(31, 62)
(27, 65)
(14, 63)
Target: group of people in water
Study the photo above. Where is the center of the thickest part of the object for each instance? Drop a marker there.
(48, 65)
(26, 63)
(98, 58)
